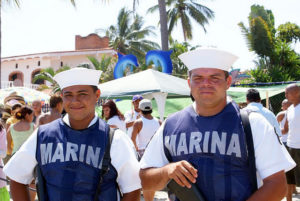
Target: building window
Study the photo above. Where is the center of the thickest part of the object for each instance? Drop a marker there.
(14, 76)
(17, 65)
(61, 64)
(38, 81)
(27, 66)
(39, 63)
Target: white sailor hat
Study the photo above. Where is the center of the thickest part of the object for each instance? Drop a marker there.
(78, 76)
(208, 58)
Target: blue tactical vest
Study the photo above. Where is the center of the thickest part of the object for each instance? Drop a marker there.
(70, 162)
(216, 147)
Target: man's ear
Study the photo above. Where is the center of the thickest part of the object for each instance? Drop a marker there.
(98, 93)
(228, 81)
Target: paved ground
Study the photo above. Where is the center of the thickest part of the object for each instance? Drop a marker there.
(163, 196)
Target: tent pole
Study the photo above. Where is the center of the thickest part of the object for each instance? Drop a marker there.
(267, 100)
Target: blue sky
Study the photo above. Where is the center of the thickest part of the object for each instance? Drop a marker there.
(51, 25)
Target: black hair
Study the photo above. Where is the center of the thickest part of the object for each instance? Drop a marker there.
(21, 113)
(54, 100)
(16, 106)
(113, 110)
(95, 88)
(253, 95)
(146, 112)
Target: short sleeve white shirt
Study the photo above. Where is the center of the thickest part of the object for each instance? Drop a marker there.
(115, 120)
(293, 118)
(129, 117)
(270, 116)
(21, 166)
(270, 156)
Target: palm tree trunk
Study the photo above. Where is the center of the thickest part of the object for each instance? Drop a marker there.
(163, 24)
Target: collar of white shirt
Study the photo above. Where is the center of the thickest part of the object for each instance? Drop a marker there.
(67, 121)
(254, 106)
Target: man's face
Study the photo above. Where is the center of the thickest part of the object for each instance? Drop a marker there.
(208, 86)
(36, 106)
(292, 94)
(79, 102)
(136, 104)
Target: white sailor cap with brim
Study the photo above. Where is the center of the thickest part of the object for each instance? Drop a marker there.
(208, 58)
(78, 76)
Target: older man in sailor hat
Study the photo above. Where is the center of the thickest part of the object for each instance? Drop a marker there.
(205, 143)
(70, 151)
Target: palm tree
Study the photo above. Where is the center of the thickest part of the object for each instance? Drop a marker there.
(17, 3)
(164, 33)
(48, 75)
(105, 66)
(184, 10)
(128, 35)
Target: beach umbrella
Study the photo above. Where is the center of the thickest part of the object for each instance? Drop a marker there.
(29, 94)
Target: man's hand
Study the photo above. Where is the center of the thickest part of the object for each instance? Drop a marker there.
(182, 172)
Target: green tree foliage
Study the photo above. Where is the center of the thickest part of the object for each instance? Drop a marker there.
(179, 69)
(48, 75)
(259, 35)
(105, 65)
(128, 35)
(277, 60)
(262, 41)
(184, 11)
(289, 32)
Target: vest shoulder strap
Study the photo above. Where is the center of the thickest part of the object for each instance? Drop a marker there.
(106, 161)
(250, 148)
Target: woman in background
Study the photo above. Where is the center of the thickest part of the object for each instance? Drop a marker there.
(20, 132)
(113, 116)
(4, 195)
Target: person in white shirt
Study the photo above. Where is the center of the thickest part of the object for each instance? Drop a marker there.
(281, 118)
(114, 118)
(69, 151)
(254, 105)
(292, 128)
(133, 114)
(143, 130)
(205, 143)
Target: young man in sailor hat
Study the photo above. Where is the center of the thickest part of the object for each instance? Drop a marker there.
(205, 143)
(69, 151)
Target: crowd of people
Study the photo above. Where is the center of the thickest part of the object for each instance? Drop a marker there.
(75, 155)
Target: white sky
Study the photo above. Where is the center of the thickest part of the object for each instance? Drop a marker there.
(51, 25)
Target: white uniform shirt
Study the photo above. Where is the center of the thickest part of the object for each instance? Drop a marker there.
(20, 167)
(129, 117)
(150, 126)
(270, 155)
(293, 118)
(115, 120)
(258, 107)
(281, 124)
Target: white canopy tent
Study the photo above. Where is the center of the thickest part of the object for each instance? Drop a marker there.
(149, 83)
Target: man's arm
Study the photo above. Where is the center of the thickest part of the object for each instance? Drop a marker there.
(19, 192)
(137, 126)
(132, 196)
(280, 116)
(274, 188)
(129, 124)
(9, 142)
(157, 178)
(285, 130)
